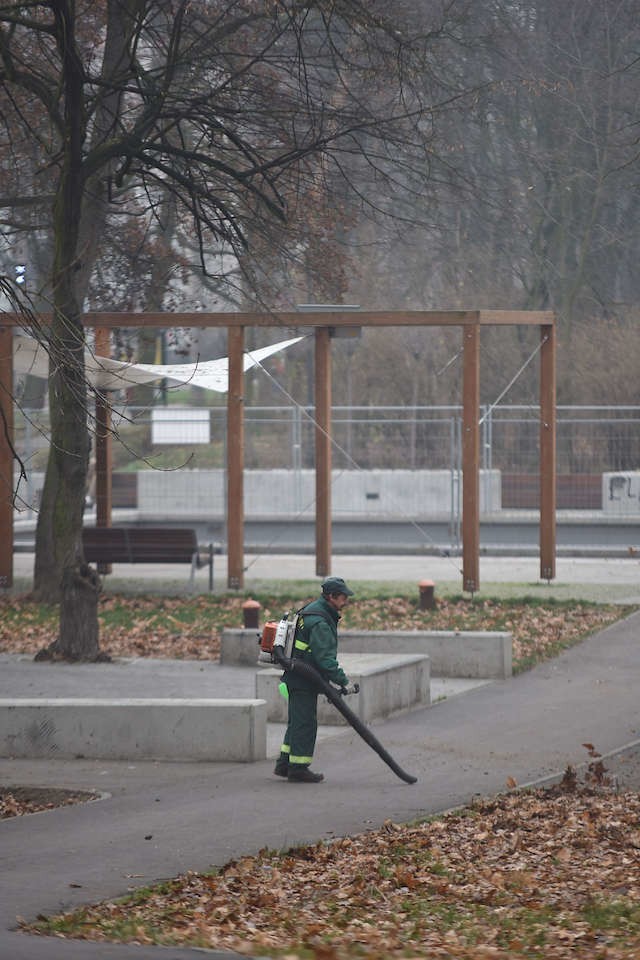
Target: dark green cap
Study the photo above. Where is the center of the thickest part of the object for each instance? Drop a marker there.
(336, 585)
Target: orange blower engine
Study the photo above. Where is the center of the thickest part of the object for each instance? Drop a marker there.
(265, 639)
(277, 638)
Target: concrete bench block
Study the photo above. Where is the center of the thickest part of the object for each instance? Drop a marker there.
(463, 654)
(470, 654)
(239, 647)
(388, 684)
(134, 729)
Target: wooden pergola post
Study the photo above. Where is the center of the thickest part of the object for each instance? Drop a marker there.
(471, 458)
(323, 450)
(235, 460)
(548, 452)
(6, 455)
(103, 448)
(470, 321)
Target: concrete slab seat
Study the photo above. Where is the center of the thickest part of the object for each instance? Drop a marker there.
(130, 544)
(469, 654)
(134, 729)
(389, 684)
(462, 654)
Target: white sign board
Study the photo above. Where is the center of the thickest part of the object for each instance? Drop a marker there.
(192, 425)
(621, 493)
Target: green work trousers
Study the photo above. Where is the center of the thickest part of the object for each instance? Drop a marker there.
(302, 728)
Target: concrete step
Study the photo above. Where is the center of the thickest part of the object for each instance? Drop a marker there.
(389, 684)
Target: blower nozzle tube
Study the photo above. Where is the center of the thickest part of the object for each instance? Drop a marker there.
(310, 672)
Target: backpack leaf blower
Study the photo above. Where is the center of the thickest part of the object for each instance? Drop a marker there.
(276, 646)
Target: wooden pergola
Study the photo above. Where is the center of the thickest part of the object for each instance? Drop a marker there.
(325, 323)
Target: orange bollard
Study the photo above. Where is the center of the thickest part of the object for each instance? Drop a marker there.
(427, 594)
(251, 614)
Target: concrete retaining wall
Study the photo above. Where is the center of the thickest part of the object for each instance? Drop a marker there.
(213, 730)
(388, 685)
(478, 655)
(363, 494)
(239, 648)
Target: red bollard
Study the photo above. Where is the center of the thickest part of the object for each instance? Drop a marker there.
(251, 614)
(427, 594)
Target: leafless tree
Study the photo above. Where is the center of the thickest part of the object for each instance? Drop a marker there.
(219, 106)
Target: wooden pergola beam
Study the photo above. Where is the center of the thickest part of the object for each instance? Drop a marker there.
(320, 318)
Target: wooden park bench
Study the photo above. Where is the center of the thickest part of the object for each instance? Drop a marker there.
(128, 544)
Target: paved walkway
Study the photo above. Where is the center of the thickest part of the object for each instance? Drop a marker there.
(160, 819)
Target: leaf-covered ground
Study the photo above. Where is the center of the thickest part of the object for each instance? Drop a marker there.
(19, 801)
(190, 627)
(547, 874)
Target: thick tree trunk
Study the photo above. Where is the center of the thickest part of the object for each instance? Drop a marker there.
(79, 638)
(61, 574)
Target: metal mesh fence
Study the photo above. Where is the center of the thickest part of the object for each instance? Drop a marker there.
(164, 448)
(592, 442)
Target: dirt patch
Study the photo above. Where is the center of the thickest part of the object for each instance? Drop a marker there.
(18, 801)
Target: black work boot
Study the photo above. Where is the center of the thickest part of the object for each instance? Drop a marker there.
(300, 774)
(281, 768)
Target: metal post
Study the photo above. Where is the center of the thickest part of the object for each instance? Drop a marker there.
(323, 450)
(6, 456)
(235, 460)
(471, 458)
(548, 452)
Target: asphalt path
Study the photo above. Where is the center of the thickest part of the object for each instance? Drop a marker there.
(156, 820)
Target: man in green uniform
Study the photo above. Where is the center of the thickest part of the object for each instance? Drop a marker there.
(316, 641)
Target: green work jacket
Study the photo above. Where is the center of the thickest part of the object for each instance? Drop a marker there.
(316, 641)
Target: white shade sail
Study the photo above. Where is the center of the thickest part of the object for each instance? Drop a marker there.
(106, 374)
